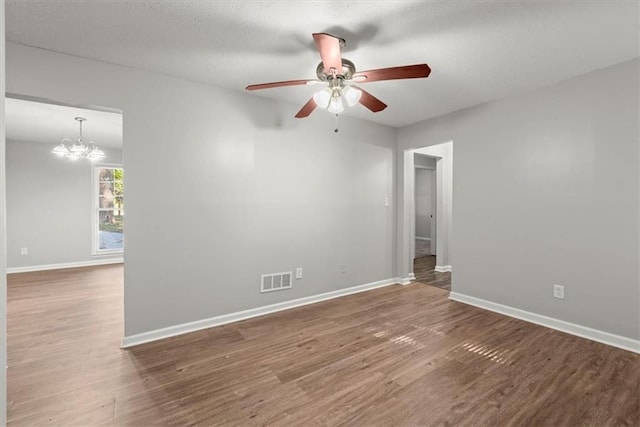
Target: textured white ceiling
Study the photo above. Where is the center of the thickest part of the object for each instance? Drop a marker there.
(49, 124)
(478, 50)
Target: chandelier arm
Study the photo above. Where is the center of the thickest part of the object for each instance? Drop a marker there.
(78, 149)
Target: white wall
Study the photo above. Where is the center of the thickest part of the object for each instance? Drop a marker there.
(546, 190)
(3, 230)
(49, 206)
(223, 186)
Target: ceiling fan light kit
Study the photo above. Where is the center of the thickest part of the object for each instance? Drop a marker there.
(339, 74)
(333, 99)
(75, 150)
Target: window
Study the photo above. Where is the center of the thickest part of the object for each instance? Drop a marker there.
(109, 214)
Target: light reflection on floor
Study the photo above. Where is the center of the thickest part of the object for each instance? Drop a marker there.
(498, 356)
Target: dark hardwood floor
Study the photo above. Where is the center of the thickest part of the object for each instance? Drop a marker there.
(400, 355)
(423, 270)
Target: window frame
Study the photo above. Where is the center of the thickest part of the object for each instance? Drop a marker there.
(95, 209)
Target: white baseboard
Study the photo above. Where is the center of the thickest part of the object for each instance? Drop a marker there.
(90, 263)
(158, 334)
(550, 322)
(423, 238)
(407, 280)
(442, 268)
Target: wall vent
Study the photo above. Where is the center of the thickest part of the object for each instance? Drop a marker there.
(276, 281)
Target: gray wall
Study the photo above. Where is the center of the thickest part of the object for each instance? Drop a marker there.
(223, 186)
(49, 206)
(546, 190)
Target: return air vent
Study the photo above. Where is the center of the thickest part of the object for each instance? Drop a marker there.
(276, 281)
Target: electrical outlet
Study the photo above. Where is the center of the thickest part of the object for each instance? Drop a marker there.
(299, 273)
(24, 251)
(558, 291)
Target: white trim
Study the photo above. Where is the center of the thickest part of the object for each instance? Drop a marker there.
(29, 268)
(550, 322)
(442, 268)
(423, 238)
(158, 334)
(430, 168)
(105, 252)
(3, 226)
(407, 280)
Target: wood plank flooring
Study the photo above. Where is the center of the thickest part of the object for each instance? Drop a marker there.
(423, 268)
(400, 355)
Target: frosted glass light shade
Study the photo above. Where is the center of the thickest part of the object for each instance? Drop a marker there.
(78, 149)
(335, 105)
(96, 154)
(323, 97)
(351, 95)
(60, 150)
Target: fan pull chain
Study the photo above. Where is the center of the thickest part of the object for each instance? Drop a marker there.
(336, 129)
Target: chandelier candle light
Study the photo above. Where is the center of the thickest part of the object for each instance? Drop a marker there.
(74, 150)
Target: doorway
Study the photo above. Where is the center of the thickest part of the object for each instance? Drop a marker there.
(56, 198)
(62, 299)
(425, 205)
(436, 228)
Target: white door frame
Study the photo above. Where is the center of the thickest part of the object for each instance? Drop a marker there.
(406, 217)
(411, 206)
(3, 234)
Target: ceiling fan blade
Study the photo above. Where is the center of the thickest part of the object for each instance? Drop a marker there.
(329, 47)
(370, 101)
(306, 109)
(393, 73)
(280, 84)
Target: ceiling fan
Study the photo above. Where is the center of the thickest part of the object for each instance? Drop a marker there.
(339, 74)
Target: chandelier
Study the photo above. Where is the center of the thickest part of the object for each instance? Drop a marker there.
(74, 150)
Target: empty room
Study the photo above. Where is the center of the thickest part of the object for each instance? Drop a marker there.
(352, 213)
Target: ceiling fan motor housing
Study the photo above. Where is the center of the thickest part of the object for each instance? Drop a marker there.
(348, 70)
